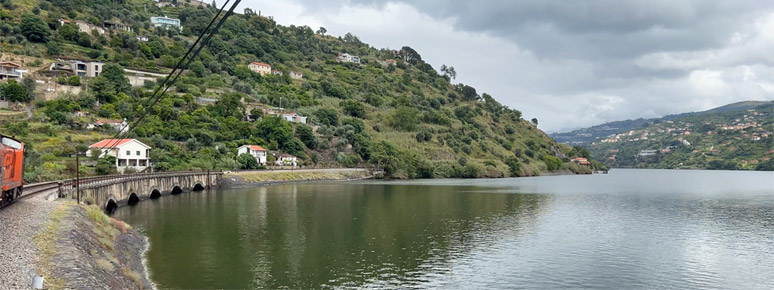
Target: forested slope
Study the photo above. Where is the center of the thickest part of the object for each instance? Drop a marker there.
(404, 117)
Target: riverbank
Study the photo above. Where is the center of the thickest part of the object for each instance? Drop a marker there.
(268, 177)
(81, 247)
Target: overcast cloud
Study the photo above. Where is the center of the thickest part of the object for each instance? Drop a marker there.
(572, 63)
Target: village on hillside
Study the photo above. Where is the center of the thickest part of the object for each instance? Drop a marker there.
(742, 136)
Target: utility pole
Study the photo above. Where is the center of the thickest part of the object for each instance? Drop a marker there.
(78, 177)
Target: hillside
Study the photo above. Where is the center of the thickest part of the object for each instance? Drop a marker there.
(391, 110)
(737, 136)
(599, 132)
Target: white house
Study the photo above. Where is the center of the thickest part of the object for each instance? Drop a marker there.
(260, 68)
(118, 125)
(286, 160)
(129, 153)
(296, 75)
(346, 57)
(293, 117)
(254, 150)
(165, 22)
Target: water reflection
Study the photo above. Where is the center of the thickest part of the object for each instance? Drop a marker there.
(614, 231)
(304, 235)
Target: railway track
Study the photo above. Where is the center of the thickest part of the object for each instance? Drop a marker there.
(34, 189)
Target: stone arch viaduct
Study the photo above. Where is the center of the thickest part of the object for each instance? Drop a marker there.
(112, 191)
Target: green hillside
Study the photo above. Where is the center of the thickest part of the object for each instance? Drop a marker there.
(737, 136)
(404, 117)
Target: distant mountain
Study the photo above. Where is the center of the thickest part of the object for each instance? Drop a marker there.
(599, 132)
(735, 136)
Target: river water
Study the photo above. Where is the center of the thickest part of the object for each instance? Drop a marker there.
(633, 228)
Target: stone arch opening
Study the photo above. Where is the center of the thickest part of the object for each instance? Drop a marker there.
(177, 190)
(155, 194)
(198, 187)
(110, 206)
(133, 199)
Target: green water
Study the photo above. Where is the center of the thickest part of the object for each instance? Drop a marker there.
(627, 229)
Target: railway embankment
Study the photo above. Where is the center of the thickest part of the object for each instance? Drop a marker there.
(79, 247)
(268, 177)
(19, 223)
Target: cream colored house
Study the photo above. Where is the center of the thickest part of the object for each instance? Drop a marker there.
(260, 68)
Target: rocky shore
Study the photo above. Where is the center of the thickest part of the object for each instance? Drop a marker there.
(82, 248)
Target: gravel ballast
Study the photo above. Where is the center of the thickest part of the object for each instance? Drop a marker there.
(19, 223)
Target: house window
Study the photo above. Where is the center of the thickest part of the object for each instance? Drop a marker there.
(128, 153)
(138, 153)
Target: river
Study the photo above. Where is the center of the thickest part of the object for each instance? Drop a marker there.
(632, 228)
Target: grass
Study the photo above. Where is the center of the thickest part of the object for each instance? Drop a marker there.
(45, 242)
(105, 265)
(134, 276)
(258, 176)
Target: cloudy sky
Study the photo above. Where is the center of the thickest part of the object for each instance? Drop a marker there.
(571, 63)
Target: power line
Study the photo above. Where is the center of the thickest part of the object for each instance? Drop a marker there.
(166, 84)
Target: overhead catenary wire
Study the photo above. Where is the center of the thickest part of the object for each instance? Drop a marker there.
(176, 71)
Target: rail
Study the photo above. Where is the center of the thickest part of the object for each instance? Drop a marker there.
(114, 178)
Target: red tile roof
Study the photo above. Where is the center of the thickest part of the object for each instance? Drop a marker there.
(112, 143)
(261, 64)
(256, 148)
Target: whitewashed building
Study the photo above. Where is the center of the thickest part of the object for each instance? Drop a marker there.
(129, 153)
(346, 57)
(296, 75)
(253, 150)
(166, 22)
(118, 125)
(286, 160)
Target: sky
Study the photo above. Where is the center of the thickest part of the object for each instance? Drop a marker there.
(571, 64)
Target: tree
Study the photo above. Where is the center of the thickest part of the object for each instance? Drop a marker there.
(34, 28)
(534, 121)
(115, 74)
(103, 90)
(327, 116)
(552, 162)
(405, 118)
(353, 108)
(247, 161)
(29, 87)
(53, 48)
(514, 167)
(106, 165)
(449, 71)
(468, 93)
(306, 135)
(322, 31)
(410, 55)
(13, 91)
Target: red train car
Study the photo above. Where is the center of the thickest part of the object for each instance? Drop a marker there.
(11, 168)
